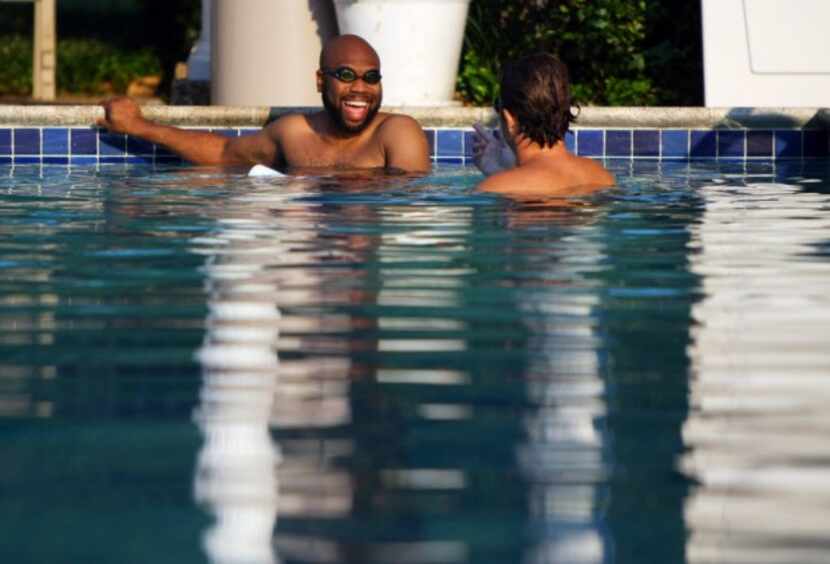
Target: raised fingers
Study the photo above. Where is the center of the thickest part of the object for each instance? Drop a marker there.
(483, 133)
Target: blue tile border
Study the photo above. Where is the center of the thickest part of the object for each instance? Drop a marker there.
(84, 145)
(618, 143)
(27, 141)
(759, 144)
(732, 144)
(570, 141)
(788, 144)
(26, 159)
(703, 144)
(5, 141)
(83, 141)
(112, 144)
(449, 143)
(646, 143)
(675, 143)
(590, 142)
(56, 141)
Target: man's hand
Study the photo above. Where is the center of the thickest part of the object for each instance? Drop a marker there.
(490, 153)
(122, 115)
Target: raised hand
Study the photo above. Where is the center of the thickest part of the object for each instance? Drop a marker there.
(490, 153)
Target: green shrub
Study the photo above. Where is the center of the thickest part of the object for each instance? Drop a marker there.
(618, 51)
(15, 65)
(90, 66)
(85, 66)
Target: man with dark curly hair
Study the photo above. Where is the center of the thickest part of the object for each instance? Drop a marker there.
(530, 157)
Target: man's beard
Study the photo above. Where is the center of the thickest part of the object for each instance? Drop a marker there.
(334, 113)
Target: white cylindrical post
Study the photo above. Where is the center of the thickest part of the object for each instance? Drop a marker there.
(419, 43)
(265, 53)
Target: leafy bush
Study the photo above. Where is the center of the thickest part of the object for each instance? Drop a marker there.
(85, 66)
(91, 66)
(125, 36)
(15, 65)
(618, 51)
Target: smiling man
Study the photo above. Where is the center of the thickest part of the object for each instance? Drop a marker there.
(350, 132)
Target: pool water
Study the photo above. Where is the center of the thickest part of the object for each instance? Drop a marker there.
(196, 366)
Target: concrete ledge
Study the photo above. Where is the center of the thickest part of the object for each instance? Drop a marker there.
(599, 117)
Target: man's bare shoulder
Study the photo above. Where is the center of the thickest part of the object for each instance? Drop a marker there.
(511, 180)
(289, 123)
(398, 124)
(403, 142)
(592, 172)
(569, 177)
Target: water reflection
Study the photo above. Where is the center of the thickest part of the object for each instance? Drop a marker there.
(566, 453)
(758, 436)
(415, 376)
(399, 383)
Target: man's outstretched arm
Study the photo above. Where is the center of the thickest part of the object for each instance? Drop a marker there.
(123, 115)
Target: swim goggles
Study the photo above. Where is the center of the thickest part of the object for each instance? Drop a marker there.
(347, 74)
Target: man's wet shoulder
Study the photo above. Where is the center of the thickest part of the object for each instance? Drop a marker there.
(391, 123)
(289, 122)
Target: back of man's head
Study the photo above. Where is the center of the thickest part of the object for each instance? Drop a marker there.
(535, 89)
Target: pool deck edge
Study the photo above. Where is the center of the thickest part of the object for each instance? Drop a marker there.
(437, 117)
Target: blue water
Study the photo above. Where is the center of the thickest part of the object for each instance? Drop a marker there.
(200, 367)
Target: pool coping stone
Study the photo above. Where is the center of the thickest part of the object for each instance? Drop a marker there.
(440, 117)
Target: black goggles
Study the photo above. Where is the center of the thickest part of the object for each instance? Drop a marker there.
(347, 74)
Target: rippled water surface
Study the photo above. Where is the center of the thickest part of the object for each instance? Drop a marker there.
(200, 367)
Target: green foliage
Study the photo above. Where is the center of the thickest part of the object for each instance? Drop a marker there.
(114, 32)
(618, 51)
(15, 65)
(85, 66)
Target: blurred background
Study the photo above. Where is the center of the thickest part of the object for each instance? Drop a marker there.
(621, 52)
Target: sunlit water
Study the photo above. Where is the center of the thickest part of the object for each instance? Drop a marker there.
(200, 367)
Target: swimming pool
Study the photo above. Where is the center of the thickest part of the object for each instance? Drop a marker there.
(198, 366)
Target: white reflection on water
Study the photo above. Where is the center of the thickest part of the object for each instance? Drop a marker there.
(759, 434)
(266, 368)
(565, 454)
(236, 469)
(246, 388)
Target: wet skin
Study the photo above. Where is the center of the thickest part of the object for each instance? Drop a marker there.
(349, 133)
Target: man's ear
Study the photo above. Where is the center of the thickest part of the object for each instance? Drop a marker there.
(319, 81)
(509, 121)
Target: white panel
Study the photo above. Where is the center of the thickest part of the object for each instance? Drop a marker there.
(787, 36)
(732, 78)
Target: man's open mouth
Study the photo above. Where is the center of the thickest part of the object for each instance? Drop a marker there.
(355, 110)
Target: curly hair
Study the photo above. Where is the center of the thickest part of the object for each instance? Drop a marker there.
(535, 89)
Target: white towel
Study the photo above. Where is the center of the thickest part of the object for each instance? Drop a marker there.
(262, 170)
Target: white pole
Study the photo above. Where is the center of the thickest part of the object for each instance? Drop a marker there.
(265, 53)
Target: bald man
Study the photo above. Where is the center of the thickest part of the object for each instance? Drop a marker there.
(350, 132)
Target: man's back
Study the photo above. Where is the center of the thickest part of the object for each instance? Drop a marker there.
(558, 173)
(530, 156)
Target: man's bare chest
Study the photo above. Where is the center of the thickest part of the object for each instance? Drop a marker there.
(308, 151)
